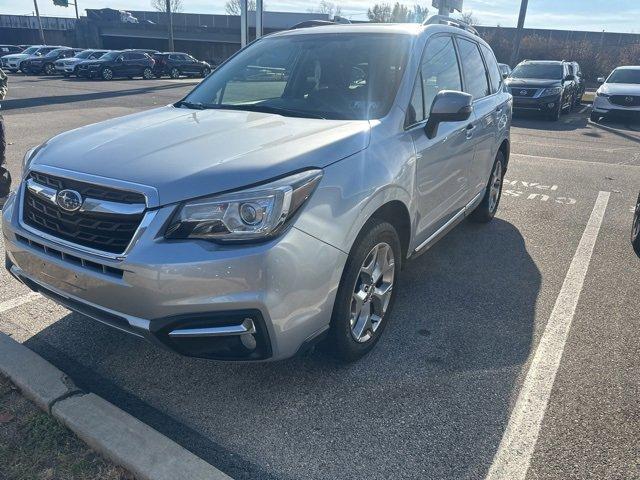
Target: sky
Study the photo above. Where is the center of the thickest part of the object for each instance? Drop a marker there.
(595, 15)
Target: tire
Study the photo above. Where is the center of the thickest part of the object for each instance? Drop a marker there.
(205, 71)
(555, 115)
(594, 117)
(147, 74)
(174, 73)
(352, 336)
(635, 228)
(488, 207)
(106, 73)
(49, 69)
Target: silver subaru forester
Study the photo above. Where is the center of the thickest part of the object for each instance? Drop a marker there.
(274, 206)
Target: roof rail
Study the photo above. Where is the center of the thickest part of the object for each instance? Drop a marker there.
(312, 23)
(443, 20)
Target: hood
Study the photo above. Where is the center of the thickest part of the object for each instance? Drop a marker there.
(187, 153)
(16, 56)
(532, 82)
(620, 89)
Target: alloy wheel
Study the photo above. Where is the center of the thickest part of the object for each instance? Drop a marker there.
(205, 72)
(635, 230)
(147, 74)
(49, 69)
(495, 187)
(107, 74)
(372, 292)
(175, 73)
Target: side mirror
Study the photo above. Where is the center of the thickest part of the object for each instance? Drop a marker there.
(120, 59)
(448, 106)
(600, 79)
(505, 76)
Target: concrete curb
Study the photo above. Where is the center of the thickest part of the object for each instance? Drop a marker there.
(123, 439)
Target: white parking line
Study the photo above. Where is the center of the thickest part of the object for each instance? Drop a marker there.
(570, 160)
(513, 457)
(16, 302)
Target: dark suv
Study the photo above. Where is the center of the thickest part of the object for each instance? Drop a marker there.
(46, 63)
(117, 64)
(543, 86)
(176, 64)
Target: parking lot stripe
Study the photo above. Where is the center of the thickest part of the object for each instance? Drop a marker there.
(518, 442)
(16, 302)
(571, 160)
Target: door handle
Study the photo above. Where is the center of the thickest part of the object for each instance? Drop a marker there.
(469, 130)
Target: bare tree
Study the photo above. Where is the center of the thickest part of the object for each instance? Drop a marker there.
(233, 7)
(161, 5)
(329, 8)
(469, 17)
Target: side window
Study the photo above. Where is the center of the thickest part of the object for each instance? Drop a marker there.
(492, 66)
(416, 109)
(439, 70)
(475, 74)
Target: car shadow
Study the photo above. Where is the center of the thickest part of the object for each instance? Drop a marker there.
(430, 401)
(574, 120)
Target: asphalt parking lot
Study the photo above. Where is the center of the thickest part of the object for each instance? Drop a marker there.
(434, 398)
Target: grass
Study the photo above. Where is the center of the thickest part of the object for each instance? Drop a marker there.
(34, 446)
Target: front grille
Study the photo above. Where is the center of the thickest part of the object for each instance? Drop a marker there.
(523, 92)
(105, 232)
(625, 100)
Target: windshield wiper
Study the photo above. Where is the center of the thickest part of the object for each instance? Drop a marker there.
(287, 112)
(192, 105)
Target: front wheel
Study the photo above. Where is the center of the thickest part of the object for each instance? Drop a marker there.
(489, 205)
(594, 117)
(635, 228)
(147, 74)
(107, 74)
(174, 73)
(49, 69)
(366, 292)
(205, 71)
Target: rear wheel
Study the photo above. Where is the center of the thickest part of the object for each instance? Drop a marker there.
(366, 292)
(147, 74)
(174, 73)
(489, 205)
(49, 69)
(106, 74)
(205, 71)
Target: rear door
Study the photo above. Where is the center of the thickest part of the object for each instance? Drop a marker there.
(442, 162)
(483, 130)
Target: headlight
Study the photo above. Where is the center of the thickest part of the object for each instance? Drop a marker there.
(547, 92)
(603, 95)
(252, 214)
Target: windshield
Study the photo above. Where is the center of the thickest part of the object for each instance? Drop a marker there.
(625, 76)
(55, 52)
(30, 50)
(84, 54)
(337, 76)
(538, 71)
(110, 55)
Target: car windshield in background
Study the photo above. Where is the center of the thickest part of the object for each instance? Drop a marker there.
(84, 54)
(538, 71)
(352, 77)
(30, 50)
(110, 55)
(54, 53)
(625, 76)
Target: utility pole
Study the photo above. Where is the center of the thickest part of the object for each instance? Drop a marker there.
(519, 31)
(170, 25)
(75, 4)
(259, 18)
(244, 23)
(35, 4)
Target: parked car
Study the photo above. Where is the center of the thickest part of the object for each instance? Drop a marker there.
(252, 219)
(176, 64)
(46, 63)
(118, 64)
(9, 49)
(619, 94)
(505, 69)
(13, 62)
(67, 66)
(581, 85)
(543, 86)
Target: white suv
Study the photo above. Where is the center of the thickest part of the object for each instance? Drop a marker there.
(619, 94)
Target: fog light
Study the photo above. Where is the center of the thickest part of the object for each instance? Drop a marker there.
(248, 341)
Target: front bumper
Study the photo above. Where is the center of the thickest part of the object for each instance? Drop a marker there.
(603, 107)
(271, 299)
(542, 104)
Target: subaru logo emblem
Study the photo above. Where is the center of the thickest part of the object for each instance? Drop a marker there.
(628, 99)
(523, 92)
(69, 200)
